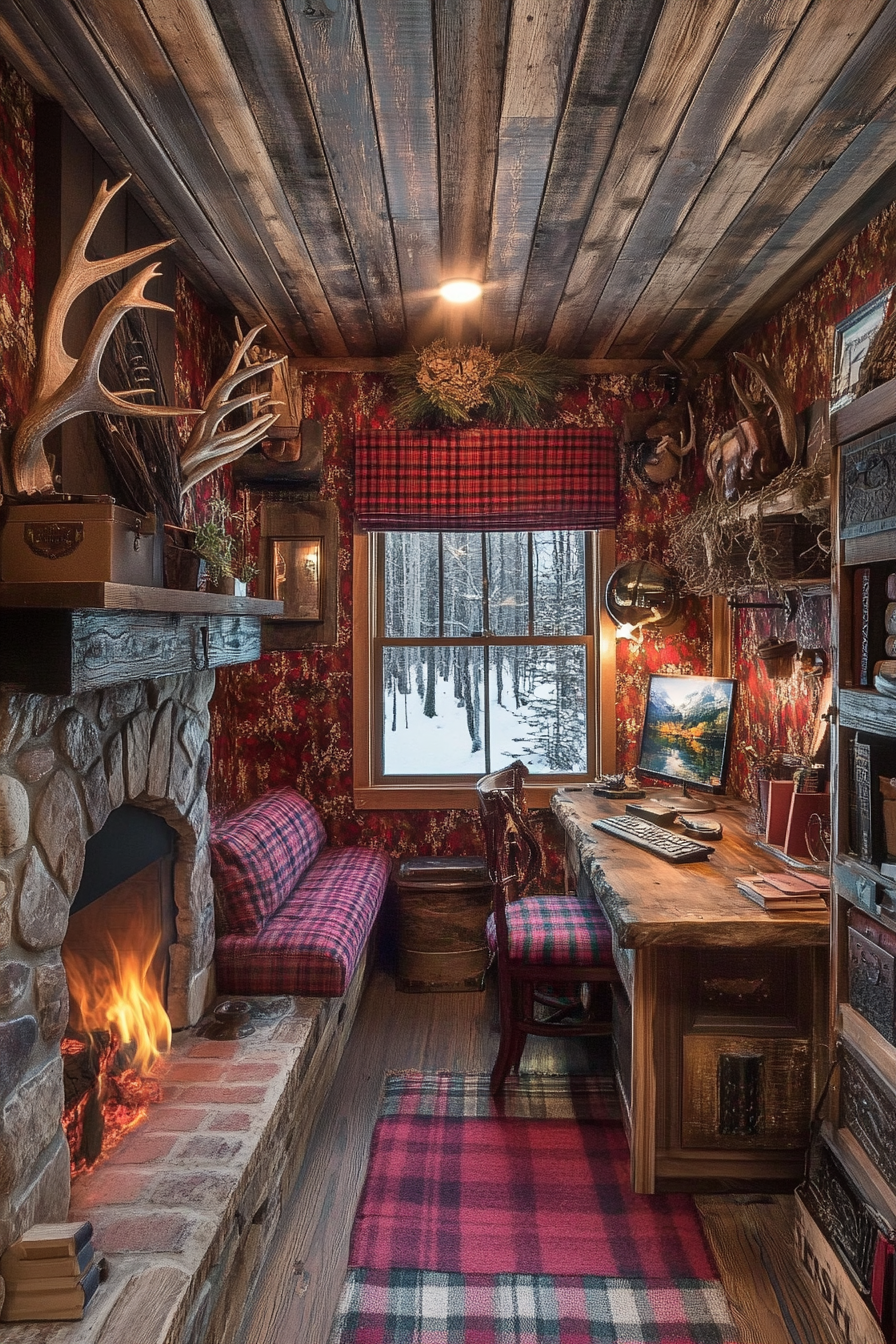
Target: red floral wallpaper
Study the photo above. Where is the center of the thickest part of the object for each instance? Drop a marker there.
(288, 718)
(780, 713)
(17, 350)
(800, 337)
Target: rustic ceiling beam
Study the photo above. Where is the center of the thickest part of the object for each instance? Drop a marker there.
(334, 67)
(189, 38)
(540, 56)
(684, 43)
(816, 54)
(471, 43)
(404, 98)
(57, 41)
(611, 51)
(837, 156)
(751, 45)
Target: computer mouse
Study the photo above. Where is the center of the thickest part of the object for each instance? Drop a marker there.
(701, 830)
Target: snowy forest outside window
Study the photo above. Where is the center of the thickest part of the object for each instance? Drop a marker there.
(484, 653)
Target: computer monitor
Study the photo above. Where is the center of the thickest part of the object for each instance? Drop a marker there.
(687, 735)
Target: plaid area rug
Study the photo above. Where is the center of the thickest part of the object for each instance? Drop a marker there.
(512, 1222)
(406, 1306)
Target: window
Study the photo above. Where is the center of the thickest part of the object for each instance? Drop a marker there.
(480, 651)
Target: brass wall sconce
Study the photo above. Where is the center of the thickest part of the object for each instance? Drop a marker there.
(639, 594)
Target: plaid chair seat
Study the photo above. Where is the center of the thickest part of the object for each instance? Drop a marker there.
(312, 944)
(555, 931)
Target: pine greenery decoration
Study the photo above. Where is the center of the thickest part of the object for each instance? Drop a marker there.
(462, 384)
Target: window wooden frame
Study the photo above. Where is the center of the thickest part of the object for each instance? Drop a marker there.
(373, 793)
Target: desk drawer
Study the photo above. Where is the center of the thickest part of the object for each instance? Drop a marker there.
(745, 1092)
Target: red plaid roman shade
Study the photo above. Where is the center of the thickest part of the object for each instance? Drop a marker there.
(485, 480)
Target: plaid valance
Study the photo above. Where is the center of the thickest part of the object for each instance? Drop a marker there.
(485, 480)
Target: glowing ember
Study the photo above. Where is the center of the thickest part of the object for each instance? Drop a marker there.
(117, 1030)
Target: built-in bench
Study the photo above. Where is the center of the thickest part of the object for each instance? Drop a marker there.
(293, 915)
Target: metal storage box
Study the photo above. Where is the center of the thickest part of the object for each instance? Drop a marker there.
(91, 542)
(443, 905)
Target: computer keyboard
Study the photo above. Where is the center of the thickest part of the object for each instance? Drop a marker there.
(644, 834)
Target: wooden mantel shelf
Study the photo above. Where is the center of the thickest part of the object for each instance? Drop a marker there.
(129, 597)
(65, 638)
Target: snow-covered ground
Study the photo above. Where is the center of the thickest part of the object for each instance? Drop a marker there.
(441, 745)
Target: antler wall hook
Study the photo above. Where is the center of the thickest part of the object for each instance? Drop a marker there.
(209, 447)
(66, 387)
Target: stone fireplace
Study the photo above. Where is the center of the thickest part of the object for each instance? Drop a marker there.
(66, 764)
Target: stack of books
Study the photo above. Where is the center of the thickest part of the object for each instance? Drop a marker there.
(871, 591)
(51, 1273)
(786, 892)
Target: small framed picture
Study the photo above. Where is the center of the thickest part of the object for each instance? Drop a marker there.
(852, 337)
(297, 578)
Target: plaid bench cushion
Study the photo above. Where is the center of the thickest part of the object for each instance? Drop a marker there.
(555, 931)
(259, 856)
(312, 944)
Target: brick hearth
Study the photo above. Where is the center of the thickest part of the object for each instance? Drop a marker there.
(185, 1207)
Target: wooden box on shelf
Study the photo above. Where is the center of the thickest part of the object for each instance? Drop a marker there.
(78, 541)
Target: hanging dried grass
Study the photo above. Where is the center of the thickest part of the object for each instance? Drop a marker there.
(731, 548)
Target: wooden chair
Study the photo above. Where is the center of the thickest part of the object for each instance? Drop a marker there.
(543, 944)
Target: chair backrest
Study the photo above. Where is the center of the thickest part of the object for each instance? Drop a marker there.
(512, 851)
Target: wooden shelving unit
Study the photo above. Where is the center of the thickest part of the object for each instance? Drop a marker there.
(847, 1210)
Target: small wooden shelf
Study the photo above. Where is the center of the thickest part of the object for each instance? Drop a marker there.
(866, 710)
(858, 1032)
(129, 597)
(865, 414)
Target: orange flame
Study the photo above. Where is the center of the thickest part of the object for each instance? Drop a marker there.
(118, 994)
(121, 1028)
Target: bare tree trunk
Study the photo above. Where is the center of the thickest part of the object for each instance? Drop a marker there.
(429, 699)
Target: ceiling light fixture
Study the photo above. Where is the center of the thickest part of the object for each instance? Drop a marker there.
(460, 291)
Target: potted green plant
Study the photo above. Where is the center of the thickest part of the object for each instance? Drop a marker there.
(228, 567)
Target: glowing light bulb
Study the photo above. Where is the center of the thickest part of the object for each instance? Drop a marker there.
(460, 291)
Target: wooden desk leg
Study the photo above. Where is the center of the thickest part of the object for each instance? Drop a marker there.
(643, 1154)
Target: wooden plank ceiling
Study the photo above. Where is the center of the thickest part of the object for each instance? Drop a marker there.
(625, 176)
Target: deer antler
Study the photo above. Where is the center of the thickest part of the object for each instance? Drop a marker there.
(65, 386)
(207, 448)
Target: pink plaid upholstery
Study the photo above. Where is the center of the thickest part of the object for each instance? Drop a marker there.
(259, 856)
(312, 944)
(555, 931)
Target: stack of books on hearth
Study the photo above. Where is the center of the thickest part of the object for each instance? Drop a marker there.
(786, 893)
(50, 1273)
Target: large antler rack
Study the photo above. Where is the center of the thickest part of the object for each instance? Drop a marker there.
(66, 387)
(210, 447)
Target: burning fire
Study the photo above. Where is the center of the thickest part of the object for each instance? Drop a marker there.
(118, 1029)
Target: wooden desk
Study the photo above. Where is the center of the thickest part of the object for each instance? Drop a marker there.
(719, 1034)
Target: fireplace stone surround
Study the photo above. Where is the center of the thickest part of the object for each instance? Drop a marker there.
(65, 763)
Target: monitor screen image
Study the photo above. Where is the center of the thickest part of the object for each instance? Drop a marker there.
(687, 730)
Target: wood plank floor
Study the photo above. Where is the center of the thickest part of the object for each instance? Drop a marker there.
(295, 1299)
